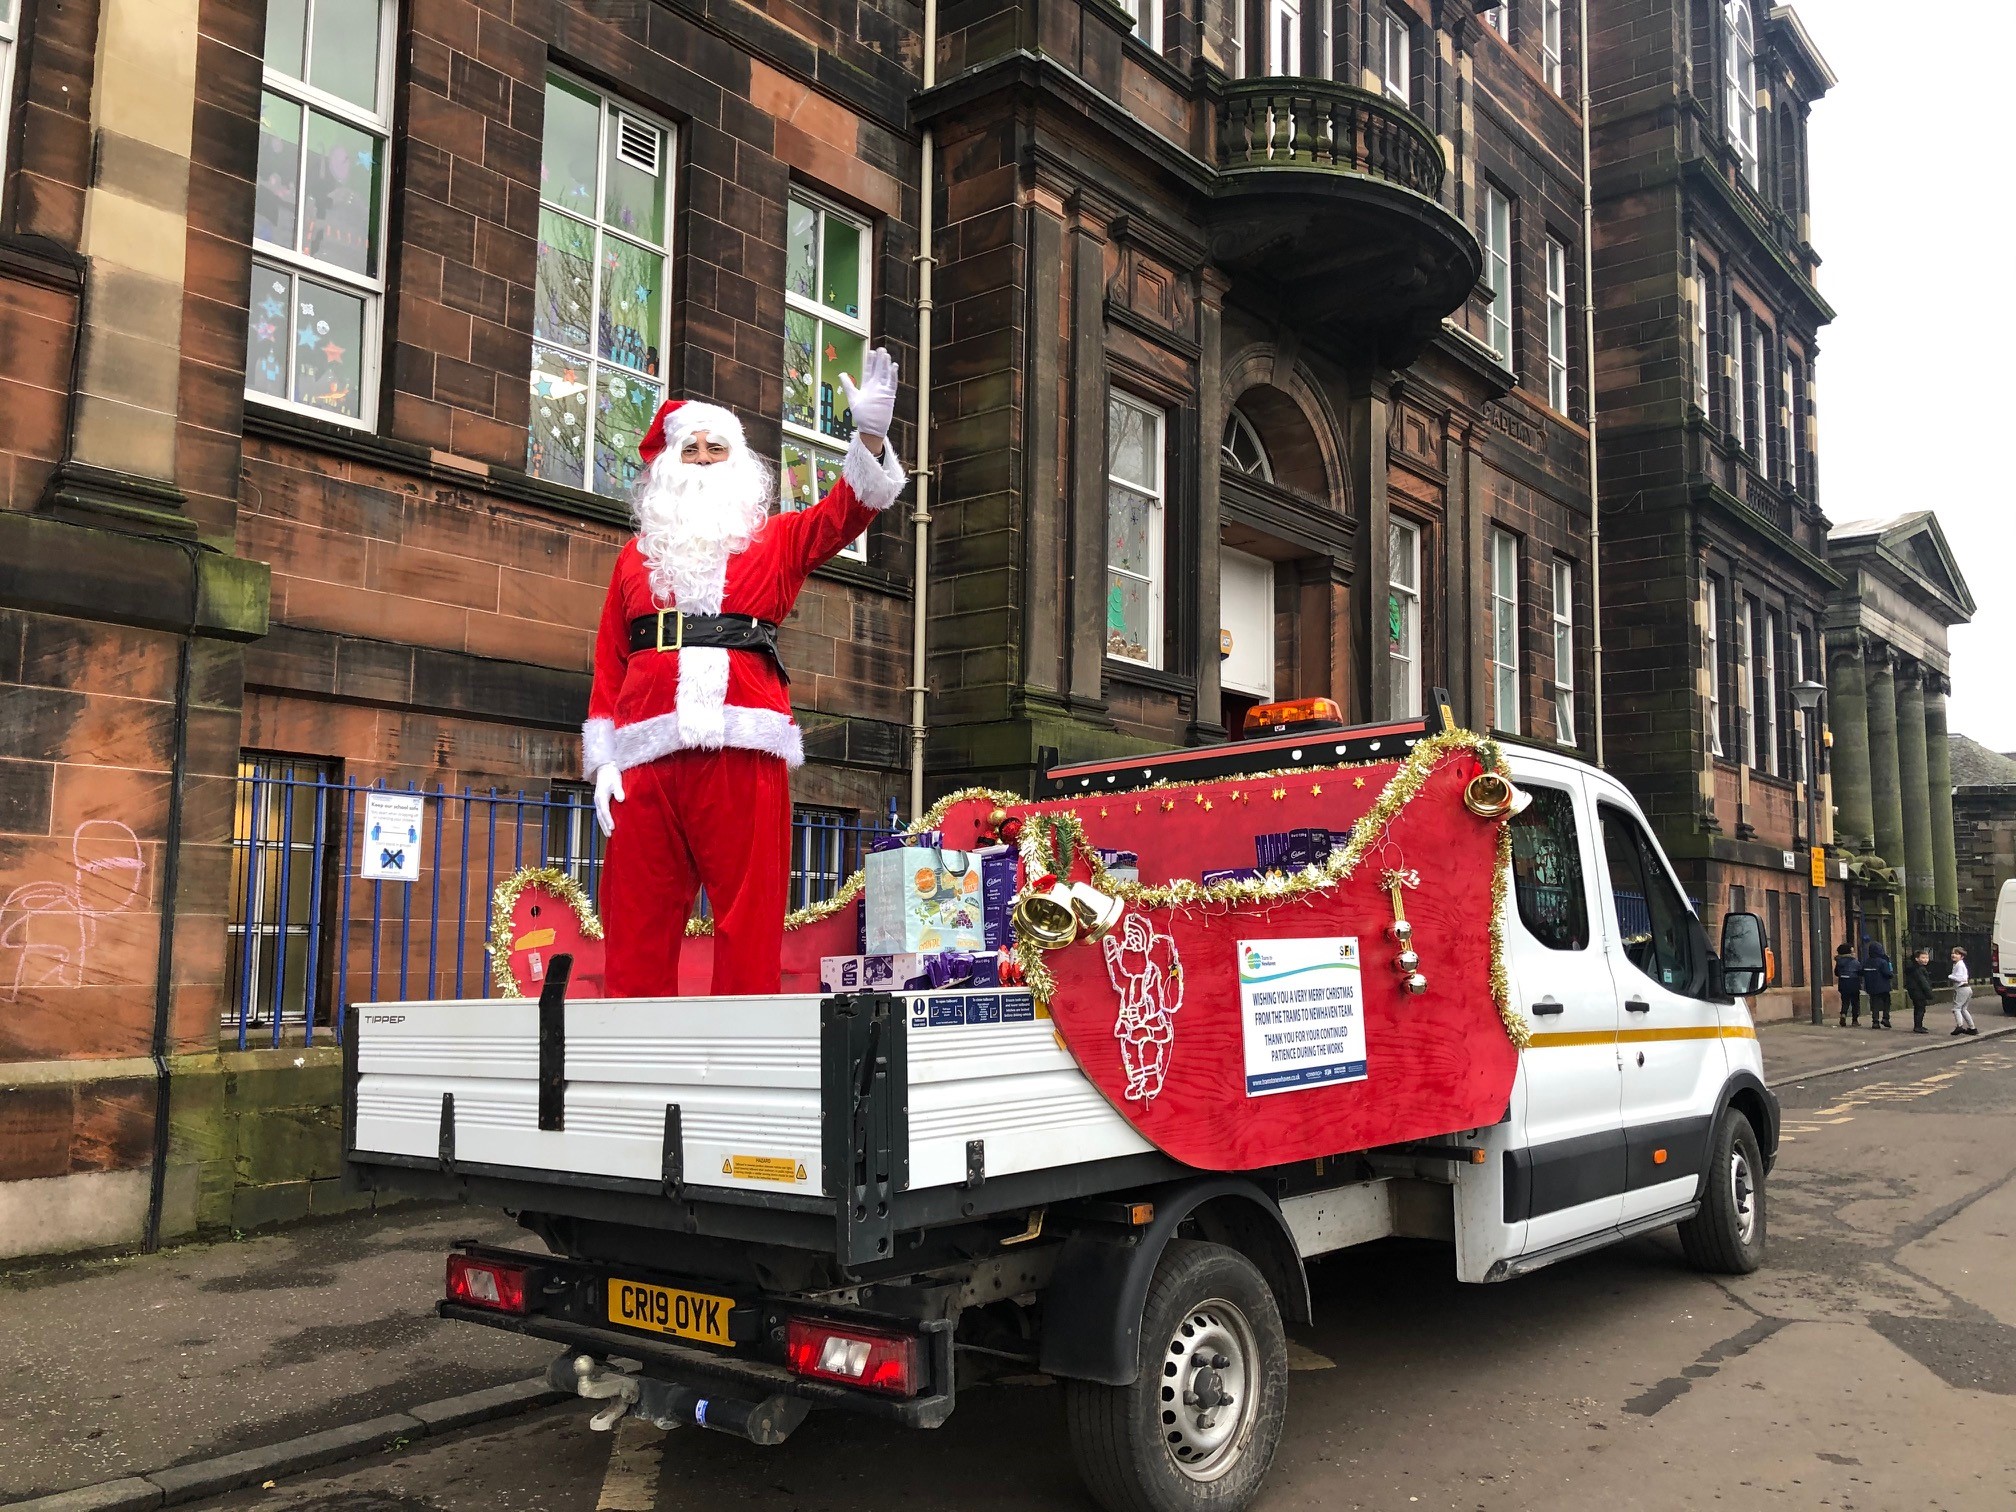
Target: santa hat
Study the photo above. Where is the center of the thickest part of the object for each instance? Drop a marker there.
(678, 419)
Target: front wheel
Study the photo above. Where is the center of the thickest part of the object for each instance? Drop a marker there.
(1199, 1426)
(1727, 1236)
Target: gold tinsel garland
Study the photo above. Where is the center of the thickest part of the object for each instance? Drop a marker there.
(1041, 858)
(505, 898)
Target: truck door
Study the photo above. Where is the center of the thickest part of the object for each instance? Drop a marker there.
(1670, 1039)
(1569, 1178)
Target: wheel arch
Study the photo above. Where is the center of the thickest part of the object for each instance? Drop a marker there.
(1092, 1309)
(1747, 1094)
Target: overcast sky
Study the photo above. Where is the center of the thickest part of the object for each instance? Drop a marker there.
(1911, 224)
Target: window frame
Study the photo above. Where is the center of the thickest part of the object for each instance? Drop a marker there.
(610, 105)
(1284, 36)
(1499, 19)
(811, 437)
(1557, 324)
(1711, 646)
(1394, 27)
(1550, 44)
(1237, 421)
(1147, 16)
(1734, 361)
(1563, 613)
(1797, 636)
(1760, 388)
(1699, 292)
(1767, 686)
(1788, 419)
(371, 289)
(1651, 865)
(1505, 603)
(1739, 82)
(254, 903)
(1410, 597)
(1497, 228)
(1746, 678)
(10, 52)
(1158, 517)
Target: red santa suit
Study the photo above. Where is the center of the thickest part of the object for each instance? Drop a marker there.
(705, 740)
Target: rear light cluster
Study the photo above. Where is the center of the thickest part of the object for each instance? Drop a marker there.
(486, 1283)
(863, 1357)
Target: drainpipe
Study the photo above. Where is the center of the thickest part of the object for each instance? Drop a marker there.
(920, 514)
(1589, 356)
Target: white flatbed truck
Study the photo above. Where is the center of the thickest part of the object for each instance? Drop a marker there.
(961, 1203)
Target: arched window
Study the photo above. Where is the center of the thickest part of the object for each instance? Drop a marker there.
(1739, 80)
(1242, 450)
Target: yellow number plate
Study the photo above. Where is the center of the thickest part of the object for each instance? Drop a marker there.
(666, 1310)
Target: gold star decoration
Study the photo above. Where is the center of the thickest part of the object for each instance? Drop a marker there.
(1357, 782)
(1168, 804)
(1316, 791)
(1137, 808)
(1207, 805)
(1279, 794)
(1102, 811)
(1197, 798)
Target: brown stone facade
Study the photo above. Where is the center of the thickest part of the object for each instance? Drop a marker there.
(1714, 544)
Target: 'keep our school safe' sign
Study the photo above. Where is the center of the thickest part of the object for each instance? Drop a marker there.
(391, 845)
(1303, 1013)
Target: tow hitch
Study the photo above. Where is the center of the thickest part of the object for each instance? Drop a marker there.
(669, 1405)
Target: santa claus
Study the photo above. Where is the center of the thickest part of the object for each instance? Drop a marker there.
(689, 739)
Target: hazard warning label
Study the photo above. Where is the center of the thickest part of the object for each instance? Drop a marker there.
(763, 1168)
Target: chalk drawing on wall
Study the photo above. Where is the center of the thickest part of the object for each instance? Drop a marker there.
(49, 928)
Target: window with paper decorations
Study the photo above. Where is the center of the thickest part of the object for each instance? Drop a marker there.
(828, 286)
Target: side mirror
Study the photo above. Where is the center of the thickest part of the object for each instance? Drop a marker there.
(1742, 954)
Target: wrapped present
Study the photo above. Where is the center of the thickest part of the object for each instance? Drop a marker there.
(922, 898)
(1232, 874)
(1291, 850)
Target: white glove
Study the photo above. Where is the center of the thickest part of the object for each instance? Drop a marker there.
(608, 790)
(874, 400)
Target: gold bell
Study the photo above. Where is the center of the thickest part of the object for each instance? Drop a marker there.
(1096, 912)
(1490, 796)
(1047, 919)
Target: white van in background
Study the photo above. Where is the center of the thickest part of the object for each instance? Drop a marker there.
(2002, 948)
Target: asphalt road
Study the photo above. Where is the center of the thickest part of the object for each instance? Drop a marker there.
(1870, 1365)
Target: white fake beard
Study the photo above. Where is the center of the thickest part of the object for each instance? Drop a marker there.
(691, 518)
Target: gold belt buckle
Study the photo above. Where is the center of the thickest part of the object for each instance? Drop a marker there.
(678, 632)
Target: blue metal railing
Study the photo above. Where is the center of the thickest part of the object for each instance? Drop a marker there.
(308, 934)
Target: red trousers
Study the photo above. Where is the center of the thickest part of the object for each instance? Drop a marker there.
(714, 819)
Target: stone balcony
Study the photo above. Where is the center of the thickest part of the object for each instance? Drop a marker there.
(1331, 196)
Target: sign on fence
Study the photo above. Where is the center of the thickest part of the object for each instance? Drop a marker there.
(392, 836)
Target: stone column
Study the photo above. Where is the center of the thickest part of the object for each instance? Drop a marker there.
(1885, 789)
(1911, 779)
(1939, 789)
(1848, 721)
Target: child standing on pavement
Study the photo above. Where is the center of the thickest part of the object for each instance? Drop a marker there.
(1848, 979)
(1918, 987)
(1879, 974)
(1963, 990)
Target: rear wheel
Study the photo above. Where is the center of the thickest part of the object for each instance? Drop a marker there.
(1727, 1236)
(1199, 1427)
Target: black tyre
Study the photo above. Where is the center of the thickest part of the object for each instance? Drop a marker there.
(1727, 1236)
(1199, 1427)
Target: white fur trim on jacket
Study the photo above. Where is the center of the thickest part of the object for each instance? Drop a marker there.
(876, 481)
(742, 729)
(598, 746)
(703, 689)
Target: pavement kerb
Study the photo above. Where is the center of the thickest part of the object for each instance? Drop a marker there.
(250, 1467)
(1860, 1063)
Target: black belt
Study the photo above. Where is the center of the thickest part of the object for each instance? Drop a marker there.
(669, 630)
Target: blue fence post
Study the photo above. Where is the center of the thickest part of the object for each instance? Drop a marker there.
(287, 788)
(341, 1012)
(316, 855)
(490, 876)
(461, 893)
(377, 907)
(248, 931)
(406, 914)
(434, 909)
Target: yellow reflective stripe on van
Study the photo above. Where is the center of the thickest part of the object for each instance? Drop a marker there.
(1639, 1036)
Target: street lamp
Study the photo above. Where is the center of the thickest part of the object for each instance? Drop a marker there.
(1806, 696)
